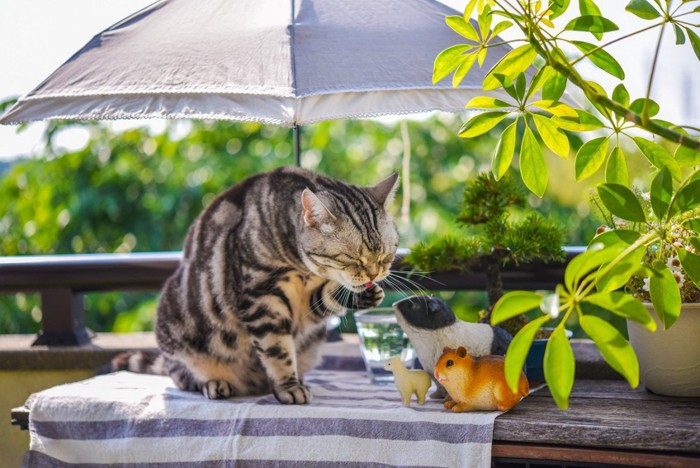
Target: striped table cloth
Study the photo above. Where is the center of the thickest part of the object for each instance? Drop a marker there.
(143, 420)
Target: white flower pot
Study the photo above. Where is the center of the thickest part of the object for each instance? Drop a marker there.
(669, 360)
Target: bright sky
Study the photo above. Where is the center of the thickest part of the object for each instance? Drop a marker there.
(37, 36)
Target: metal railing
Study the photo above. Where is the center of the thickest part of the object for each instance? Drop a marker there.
(61, 281)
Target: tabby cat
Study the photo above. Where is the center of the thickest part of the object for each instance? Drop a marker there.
(264, 266)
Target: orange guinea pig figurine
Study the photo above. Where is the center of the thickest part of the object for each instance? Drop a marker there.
(476, 383)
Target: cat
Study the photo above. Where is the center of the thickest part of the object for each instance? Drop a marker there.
(264, 266)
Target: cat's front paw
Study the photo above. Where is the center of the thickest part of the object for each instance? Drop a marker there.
(370, 297)
(298, 394)
(217, 389)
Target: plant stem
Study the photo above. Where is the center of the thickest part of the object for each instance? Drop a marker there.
(645, 113)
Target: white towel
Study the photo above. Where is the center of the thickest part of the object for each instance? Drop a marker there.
(140, 420)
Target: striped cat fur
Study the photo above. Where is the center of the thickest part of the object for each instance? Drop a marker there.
(264, 266)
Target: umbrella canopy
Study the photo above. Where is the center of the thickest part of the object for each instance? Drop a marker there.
(283, 62)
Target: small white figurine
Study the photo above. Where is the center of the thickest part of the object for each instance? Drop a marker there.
(409, 382)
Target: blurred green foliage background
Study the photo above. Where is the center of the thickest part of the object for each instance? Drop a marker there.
(137, 191)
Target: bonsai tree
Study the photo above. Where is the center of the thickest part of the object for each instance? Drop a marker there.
(493, 237)
(594, 277)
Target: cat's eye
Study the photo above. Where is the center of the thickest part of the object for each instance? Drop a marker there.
(449, 363)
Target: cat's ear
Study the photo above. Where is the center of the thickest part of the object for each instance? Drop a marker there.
(385, 190)
(315, 212)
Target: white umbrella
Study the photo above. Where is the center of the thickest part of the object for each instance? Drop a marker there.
(287, 62)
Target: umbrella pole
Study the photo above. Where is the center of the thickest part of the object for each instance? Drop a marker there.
(296, 131)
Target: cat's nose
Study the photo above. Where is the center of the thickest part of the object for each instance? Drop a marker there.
(371, 276)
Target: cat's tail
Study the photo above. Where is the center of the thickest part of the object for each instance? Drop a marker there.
(142, 362)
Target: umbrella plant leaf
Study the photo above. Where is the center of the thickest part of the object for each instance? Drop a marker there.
(485, 18)
(482, 123)
(621, 202)
(687, 157)
(533, 168)
(637, 106)
(658, 156)
(482, 56)
(585, 263)
(687, 198)
(601, 59)
(616, 169)
(515, 62)
(665, 294)
(554, 138)
(588, 7)
(558, 8)
(500, 27)
(694, 41)
(613, 346)
(462, 27)
(520, 85)
(661, 193)
(518, 348)
(554, 87)
(621, 95)
(448, 60)
(624, 305)
(505, 149)
(583, 122)
(691, 265)
(540, 78)
(486, 102)
(680, 37)
(514, 303)
(596, 25)
(469, 9)
(463, 69)
(590, 157)
(642, 9)
(556, 108)
(559, 367)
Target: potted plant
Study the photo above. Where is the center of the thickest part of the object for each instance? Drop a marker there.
(667, 280)
(497, 230)
(594, 278)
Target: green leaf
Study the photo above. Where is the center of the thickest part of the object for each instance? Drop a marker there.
(622, 304)
(508, 85)
(583, 122)
(658, 156)
(661, 192)
(482, 123)
(687, 198)
(616, 238)
(518, 348)
(694, 41)
(462, 27)
(554, 87)
(463, 69)
(485, 18)
(686, 157)
(616, 169)
(583, 264)
(621, 202)
(520, 85)
(637, 107)
(469, 9)
(500, 27)
(505, 149)
(558, 8)
(448, 60)
(590, 157)
(621, 95)
(665, 295)
(691, 265)
(601, 59)
(592, 24)
(556, 108)
(680, 37)
(613, 346)
(554, 138)
(533, 168)
(485, 102)
(514, 303)
(643, 9)
(514, 63)
(588, 7)
(540, 78)
(559, 366)
(600, 90)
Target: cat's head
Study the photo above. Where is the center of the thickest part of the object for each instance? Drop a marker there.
(347, 235)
